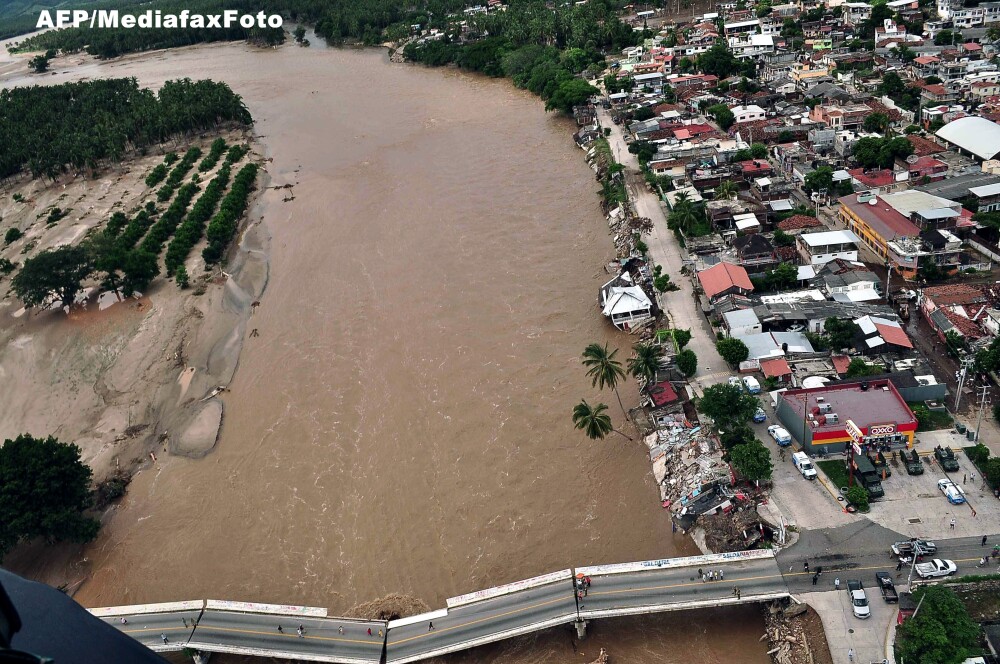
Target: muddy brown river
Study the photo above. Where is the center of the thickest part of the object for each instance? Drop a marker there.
(402, 422)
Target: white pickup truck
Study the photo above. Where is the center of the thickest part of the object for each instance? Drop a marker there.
(935, 568)
(802, 462)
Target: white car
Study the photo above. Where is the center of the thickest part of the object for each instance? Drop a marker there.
(781, 437)
(951, 491)
(735, 382)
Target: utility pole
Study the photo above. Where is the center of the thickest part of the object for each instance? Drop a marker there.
(982, 406)
(966, 364)
(888, 278)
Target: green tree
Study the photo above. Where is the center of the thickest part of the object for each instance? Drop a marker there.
(783, 239)
(758, 150)
(941, 632)
(722, 115)
(687, 362)
(876, 122)
(139, 269)
(944, 38)
(857, 495)
(593, 421)
(299, 33)
(645, 361)
(992, 468)
(732, 351)
(604, 370)
(181, 275)
(12, 235)
(44, 489)
(681, 338)
(841, 333)
(979, 454)
(719, 61)
(752, 460)
(726, 190)
(57, 273)
(858, 368)
(728, 406)
(569, 94)
(820, 179)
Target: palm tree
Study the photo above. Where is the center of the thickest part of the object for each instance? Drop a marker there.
(593, 420)
(604, 370)
(726, 191)
(645, 362)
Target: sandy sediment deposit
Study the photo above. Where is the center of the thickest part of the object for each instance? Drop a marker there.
(121, 378)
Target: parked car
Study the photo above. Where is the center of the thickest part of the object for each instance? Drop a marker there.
(888, 588)
(734, 381)
(935, 568)
(946, 458)
(753, 387)
(760, 416)
(802, 462)
(911, 546)
(781, 437)
(951, 491)
(859, 600)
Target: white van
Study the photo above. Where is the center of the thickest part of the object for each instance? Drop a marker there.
(753, 387)
(802, 462)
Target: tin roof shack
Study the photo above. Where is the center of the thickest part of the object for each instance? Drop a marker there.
(818, 418)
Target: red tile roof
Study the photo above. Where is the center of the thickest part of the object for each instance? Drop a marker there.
(662, 393)
(926, 60)
(840, 363)
(799, 221)
(954, 294)
(775, 367)
(880, 178)
(721, 277)
(923, 146)
(894, 335)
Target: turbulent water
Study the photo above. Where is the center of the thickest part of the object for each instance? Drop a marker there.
(402, 422)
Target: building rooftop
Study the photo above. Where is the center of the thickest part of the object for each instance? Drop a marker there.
(959, 187)
(973, 134)
(883, 219)
(880, 403)
(829, 237)
(722, 277)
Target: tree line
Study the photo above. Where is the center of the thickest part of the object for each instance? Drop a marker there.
(51, 129)
(113, 42)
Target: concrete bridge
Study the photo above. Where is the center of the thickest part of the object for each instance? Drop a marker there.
(471, 620)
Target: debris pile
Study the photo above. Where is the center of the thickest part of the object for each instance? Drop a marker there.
(787, 636)
(741, 530)
(602, 658)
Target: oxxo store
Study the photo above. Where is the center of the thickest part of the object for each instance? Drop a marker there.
(828, 418)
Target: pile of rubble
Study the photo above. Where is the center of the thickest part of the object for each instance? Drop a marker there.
(740, 530)
(684, 460)
(786, 635)
(602, 658)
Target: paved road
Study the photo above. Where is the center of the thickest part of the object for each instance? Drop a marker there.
(148, 629)
(484, 622)
(682, 587)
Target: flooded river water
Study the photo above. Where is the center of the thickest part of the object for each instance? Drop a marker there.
(402, 422)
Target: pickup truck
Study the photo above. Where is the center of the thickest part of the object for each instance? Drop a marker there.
(859, 600)
(911, 546)
(912, 462)
(935, 568)
(946, 458)
(802, 462)
(888, 588)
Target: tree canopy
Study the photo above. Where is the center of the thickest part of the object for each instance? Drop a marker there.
(941, 632)
(728, 405)
(732, 350)
(54, 274)
(687, 362)
(881, 152)
(44, 489)
(752, 460)
(50, 128)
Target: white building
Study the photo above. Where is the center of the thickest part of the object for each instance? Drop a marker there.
(748, 113)
(821, 248)
(625, 303)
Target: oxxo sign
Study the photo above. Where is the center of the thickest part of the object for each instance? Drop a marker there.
(881, 430)
(853, 431)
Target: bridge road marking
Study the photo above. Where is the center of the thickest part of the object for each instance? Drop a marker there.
(373, 642)
(479, 620)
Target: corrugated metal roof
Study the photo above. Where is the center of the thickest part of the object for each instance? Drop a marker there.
(974, 134)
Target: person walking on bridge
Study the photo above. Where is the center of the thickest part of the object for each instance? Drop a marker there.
(301, 632)
(280, 631)
(164, 637)
(369, 631)
(430, 626)
(983, 543)
(722, 575)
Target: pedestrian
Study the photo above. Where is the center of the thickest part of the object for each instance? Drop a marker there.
(738, 592)
(983, 543)
(722, 574)
(850, 655)
(280, 631)
(899, 565)
(380, 634)
(815, 579)
(430, 626)
(164, 637)
(805, 566)
(124, 621)
(369, 631)
(704, 578)
(184, 620)
(300, 631)
(700, 572)
(341, 630)
(836, 583)
(734, 591)
(953, 524)
(972, 476)
(963, 479)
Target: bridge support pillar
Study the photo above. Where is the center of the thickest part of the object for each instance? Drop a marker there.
(201, 657)
(581, 629)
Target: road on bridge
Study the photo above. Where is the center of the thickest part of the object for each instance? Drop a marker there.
(632, 588)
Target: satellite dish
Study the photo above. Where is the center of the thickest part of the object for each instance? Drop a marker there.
(912, 159)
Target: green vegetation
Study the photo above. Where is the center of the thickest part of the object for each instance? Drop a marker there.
(193, 227)
(881, 152)
(857, 495)
(894, 87)
(839, 333)
(177, 175)
(645, 361)
(859, 368)
(181, 275)
(723, 116)
(836, 470)
(930, 420)
(54, 273)
(49, 129)
(604, 370)
(40, 63)
(12, 235)
(44, 489)
(214, 154)
(223, 226)
(113, 42)
(687, 362)
(594, 421)
(732, 351)
(161, 231)
(988, 465)
(752, 460)
(941, 632)
(681, 338)
(156, 175)
(786, 275)
(728, 406)
(688, 217)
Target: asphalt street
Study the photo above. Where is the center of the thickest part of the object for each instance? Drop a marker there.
(150, 628)
(484, 622)
(623, 594)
